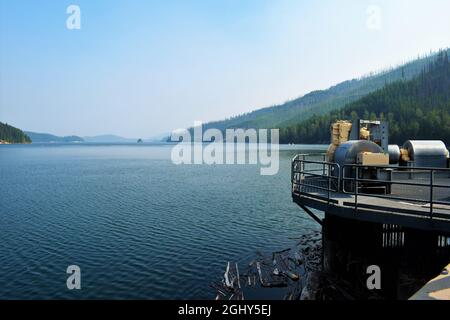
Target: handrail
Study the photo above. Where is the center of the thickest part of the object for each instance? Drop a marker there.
(355, 178)
(403, 169)
(299, 173)
(313, 174)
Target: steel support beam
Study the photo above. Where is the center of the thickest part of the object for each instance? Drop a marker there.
(311, 214)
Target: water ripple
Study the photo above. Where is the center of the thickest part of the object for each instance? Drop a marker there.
(138, 226)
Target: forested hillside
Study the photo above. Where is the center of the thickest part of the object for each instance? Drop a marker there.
(9, 134)
(416, 109)
(323, 101)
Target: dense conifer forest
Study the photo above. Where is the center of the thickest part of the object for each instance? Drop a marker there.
(9, 134)
(415, 109)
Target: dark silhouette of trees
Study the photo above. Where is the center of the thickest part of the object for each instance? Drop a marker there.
(12, 135)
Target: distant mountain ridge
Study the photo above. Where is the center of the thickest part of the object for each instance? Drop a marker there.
(108, 138)
(111, 138)
(50, 138)
(322, 101)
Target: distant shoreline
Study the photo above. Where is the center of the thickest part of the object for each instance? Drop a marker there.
(135, 143)
(3, 142)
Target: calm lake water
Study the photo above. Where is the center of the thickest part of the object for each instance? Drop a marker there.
(138, 226)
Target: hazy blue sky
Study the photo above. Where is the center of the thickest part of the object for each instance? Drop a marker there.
(139, 68)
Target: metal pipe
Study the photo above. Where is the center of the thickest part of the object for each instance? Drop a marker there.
(329, 185)
(431, 193)
(356, 189)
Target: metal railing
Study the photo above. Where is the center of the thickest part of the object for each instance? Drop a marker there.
(312, 175)
(411, 182)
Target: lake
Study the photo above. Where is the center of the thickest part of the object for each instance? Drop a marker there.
(138, 226)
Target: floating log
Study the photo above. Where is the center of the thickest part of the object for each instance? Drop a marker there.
(238, 280)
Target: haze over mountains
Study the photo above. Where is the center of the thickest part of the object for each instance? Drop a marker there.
(108, 138)
(50, 138)
(111, 138)
(105, 138)
(289, 117)
(322, 101)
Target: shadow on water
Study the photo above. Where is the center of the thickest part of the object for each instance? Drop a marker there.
(407, 259)
(338, 263)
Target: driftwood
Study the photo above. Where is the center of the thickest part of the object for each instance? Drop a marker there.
(283, 262)
(238, 279)
(283, 269)
(230, 286)
(226, 277)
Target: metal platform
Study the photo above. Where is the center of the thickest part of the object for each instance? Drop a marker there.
(416, 198)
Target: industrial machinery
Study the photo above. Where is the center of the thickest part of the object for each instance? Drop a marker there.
(431, 154)
(394, 154)
(366, 143)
